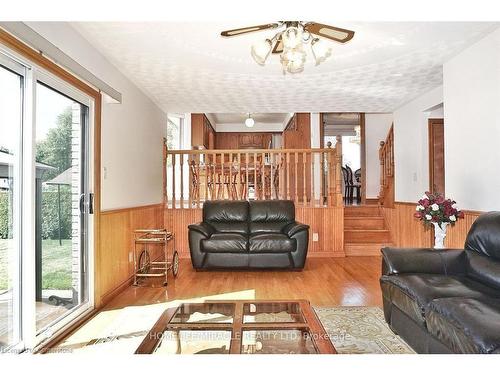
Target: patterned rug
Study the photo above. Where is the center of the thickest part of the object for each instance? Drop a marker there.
(360, 330)
(353, 330)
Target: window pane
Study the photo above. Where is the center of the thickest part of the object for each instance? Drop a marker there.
(58, 254)
(10, 130)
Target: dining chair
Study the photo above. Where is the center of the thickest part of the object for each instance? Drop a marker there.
(355, 185)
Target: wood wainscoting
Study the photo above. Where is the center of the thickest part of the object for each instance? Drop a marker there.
(328, 222)
(115, 267)
(406, 231)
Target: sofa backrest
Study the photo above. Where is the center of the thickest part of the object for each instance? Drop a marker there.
(227, 216)
(483, 249)
(270, 216)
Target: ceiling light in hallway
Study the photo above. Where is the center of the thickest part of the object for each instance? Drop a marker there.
(249, 122)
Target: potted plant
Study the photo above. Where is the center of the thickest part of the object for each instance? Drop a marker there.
(435, 209)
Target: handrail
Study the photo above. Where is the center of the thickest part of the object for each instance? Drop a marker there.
(386, 157)
(311, 177)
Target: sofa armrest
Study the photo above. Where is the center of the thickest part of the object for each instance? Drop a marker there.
(294, 228)
(206, 229)
(399, 261)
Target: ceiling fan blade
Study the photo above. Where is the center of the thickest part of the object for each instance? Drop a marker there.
(250, 29)
(278, 46)
(330, 32)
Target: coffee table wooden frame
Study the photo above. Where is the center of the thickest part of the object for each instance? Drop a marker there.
(311, 324)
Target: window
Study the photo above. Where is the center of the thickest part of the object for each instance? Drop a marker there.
(174, 132)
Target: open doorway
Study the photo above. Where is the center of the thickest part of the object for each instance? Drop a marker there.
(436, 156)
(350, 129)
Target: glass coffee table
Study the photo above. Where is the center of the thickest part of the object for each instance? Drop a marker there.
(238, 327)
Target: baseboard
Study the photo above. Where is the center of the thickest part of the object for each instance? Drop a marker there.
(108, 296)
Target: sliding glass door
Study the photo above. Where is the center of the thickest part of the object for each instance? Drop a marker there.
(61, 223)
(45, 203)
(11, 108)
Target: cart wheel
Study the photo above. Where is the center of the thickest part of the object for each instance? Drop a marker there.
(175, 263)
(144, 262)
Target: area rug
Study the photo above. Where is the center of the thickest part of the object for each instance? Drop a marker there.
(360, 330)
(353, 330)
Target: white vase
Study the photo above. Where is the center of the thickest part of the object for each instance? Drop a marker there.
(439, 235)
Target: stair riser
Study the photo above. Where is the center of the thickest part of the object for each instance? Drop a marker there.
(361, 211)
(364, 249)
(361, 223)
(366, 236)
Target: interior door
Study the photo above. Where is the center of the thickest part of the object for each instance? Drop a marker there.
(436, 156)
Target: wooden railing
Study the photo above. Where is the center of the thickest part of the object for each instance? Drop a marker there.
(386, 156)
(310, 177)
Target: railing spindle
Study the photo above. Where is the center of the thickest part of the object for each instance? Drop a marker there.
(304, 178)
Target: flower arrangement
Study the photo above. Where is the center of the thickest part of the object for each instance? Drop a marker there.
(435, 208)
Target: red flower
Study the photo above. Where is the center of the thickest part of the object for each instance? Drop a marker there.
(460, 215)
(425, 202)
(418, 215)
(440, 199)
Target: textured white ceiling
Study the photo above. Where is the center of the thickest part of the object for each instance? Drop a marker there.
(188, 67)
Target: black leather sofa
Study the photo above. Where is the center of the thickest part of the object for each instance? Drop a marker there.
(248, 235)
(447, 301)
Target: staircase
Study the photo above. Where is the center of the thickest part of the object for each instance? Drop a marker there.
(365, 232)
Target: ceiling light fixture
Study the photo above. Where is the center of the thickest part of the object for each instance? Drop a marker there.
(290, 43)
(249, 122)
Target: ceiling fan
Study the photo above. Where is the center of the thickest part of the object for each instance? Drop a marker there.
(289, 42)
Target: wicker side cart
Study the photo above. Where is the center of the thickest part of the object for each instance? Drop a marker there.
(144, 241)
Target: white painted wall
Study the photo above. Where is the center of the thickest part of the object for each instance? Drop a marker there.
(377, 126)
(411, 154)
(472, 125)
(131, 131)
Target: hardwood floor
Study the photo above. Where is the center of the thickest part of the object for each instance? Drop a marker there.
(326, 282)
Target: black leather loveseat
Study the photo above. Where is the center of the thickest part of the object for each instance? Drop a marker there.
(447, 301)
(248, 235)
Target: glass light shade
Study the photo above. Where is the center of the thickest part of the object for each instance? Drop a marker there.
(293, 60)
(249, 122)
(292, 37)
(321, 51)
(261, 50)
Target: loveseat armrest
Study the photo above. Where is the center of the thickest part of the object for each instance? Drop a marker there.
(294, 228)
(204, 228)
(445, 262)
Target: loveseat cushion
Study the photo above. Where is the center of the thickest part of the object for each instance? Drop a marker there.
(412, 292)
(270, 216)
(225, 243)
(271, 243)
(227, 216)
(466, 325)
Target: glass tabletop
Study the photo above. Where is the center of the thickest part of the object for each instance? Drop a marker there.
(204, 313)
(245, 327)
(266, 312)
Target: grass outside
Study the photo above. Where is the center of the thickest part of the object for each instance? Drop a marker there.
(56, 264)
